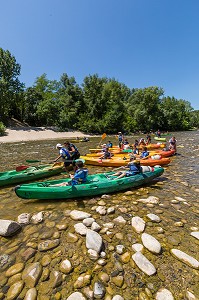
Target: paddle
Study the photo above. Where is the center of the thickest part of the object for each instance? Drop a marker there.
(102, 138)
(21, 168)
(36, 160)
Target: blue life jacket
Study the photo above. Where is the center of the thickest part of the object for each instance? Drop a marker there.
(120, 138)
(133, 169)
(70, 148)
(66, 154)
(144, 154)
(80, 176)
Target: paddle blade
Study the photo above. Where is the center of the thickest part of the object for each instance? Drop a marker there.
(32, 160)
(103, 136)
(21, 168)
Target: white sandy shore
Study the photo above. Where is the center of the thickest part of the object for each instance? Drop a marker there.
(20, 134)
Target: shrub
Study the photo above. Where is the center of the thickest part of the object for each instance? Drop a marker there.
(2, 128)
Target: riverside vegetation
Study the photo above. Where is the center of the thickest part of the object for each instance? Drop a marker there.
(139, 244)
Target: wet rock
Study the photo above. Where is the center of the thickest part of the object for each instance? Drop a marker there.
(17, 268)
(110, 210)
(154, 218)
(15, 290)
(118, 280)
(120, 249)
(80, 228)
(101, 202)
(88, 293)
(125, 257)
(117, 297)
(31, 294)
(31, 274)
(187, 259)
(151, 243)
(93, 255)
(144, 264)
(104, 277)
(24, 218)
(79, 215)
(138, 224)
(37, 218)
(195, 234)
(14, 278)
(46, 259)
(88, 221)
(61, 226)
(6, 261)
(82, 281)
(101, 210)
(119, 220)
(137, 247)
(9, 227)
(105, 196)
(99, 290)
(55, 279)
(48, 244)
(71, 238)
(95, 226)
(190, 296)
(93, 240)
(76, 296)
(28, 253)
(164, 294)
(65, 266)
(150, 199)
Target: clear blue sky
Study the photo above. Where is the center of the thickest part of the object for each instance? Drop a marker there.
(140, 43)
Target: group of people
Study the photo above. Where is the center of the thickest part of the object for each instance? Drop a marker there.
(68, 153)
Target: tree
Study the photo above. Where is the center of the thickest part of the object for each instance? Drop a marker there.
(10, 86)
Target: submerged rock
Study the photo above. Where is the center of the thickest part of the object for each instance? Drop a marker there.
(164, 294)
(9, 227)
(144, 264)
(138, 224)
(93, 240)
(151, 243)
(187, 259)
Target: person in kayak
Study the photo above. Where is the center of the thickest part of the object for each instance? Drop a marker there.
(142, 142)
(107, 154)
(172, 143)
(79, 177)
(144, 153)
(74, 152)
(64, 154)
(134, 168)
(109, 144)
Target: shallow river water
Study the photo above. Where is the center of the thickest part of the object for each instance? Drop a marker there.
(177, 207)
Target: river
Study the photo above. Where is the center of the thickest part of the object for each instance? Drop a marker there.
(178, 208)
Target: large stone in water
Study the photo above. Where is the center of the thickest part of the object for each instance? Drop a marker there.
(164, 294)
(99, 290)
(9, 227)
(31, 294)
(138, 224)
(31, 274)
(187, 259)
(48, 244)
(17, 268)
(79, 215)
(76, 296)
(144, 264)
(93, 240)
(15, 290)
(151, 243)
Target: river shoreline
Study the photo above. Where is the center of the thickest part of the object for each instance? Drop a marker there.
(23, 133)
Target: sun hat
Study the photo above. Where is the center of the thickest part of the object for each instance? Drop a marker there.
(58, 146)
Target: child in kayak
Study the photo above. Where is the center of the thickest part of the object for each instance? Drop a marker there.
(134, 168)
(107, 154)
(79, 177)
(144, 153)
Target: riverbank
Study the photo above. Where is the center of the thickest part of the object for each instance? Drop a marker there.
(27, 133)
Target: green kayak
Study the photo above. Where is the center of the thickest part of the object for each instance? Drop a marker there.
(162, 139)
(29, 174)
(97, 184)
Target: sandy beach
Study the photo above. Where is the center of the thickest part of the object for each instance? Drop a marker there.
(23, 133)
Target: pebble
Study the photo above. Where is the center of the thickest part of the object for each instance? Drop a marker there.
(24, 218)
(31, 274)
(88, 221)
(31, 294)
(80, 228)
(137, 247)
(76, 296)
(144, 264)
(99, 290)
(187, 259)
(151, 243)
(93, 240)
(9, 227)
(65, 266)
(37, 218)
(164, 294)
(138, 224)
(119, 220)
(195, 234)
(48, 244)
(154, 218)
(79, 215)
(15, 290)
(17, 268)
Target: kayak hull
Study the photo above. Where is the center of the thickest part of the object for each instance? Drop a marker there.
(117, 149)
(30, 174)
(162, 139)
(97, 184)
(126, 154)
(119, 162)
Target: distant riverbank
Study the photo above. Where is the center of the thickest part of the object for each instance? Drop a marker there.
(23, 133)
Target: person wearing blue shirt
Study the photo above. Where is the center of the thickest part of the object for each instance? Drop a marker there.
(144, 153)
(64, 154)
(134, 168)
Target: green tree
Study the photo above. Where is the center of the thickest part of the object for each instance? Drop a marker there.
(10, 86)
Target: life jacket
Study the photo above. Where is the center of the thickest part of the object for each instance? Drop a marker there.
(144, 154)
(70, 148)
(80, 176)
(66, 154)
(134, 168)
(120, 138)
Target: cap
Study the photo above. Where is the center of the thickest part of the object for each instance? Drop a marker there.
(58, 146)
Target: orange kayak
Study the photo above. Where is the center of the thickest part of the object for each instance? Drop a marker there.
(119, 162)
(116, 149)
(123, 154)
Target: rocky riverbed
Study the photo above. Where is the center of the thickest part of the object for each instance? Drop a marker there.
(140, 244)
